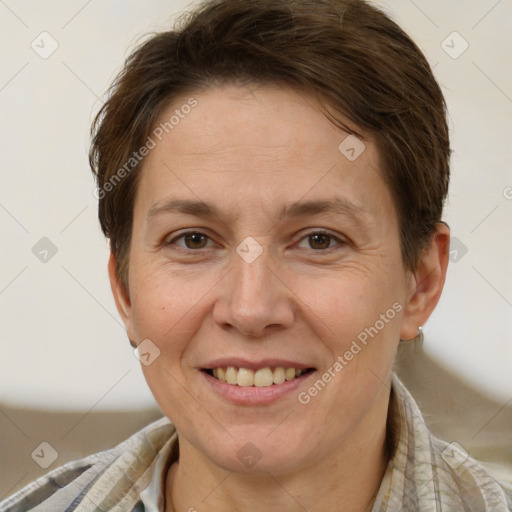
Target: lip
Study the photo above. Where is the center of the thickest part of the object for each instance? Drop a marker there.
(252, 395)
(254, 365)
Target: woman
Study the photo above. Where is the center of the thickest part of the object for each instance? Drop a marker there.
(271, 177)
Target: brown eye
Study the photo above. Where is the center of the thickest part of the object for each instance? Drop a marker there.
(320, 241)
(193, 240)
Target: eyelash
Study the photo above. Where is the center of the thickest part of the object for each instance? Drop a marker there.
(186, 249)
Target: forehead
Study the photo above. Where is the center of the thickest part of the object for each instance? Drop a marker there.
(268, 147)
(263, 120)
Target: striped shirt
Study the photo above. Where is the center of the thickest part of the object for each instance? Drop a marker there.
(424, 473)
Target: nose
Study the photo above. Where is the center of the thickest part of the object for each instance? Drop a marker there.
(254, 298)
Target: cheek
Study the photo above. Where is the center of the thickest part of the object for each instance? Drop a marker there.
(348, 301)
(165, 302)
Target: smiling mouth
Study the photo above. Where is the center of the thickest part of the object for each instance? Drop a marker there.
(263, 377)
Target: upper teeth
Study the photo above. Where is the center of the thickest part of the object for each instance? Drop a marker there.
(259, 378)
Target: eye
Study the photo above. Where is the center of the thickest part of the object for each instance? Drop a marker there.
(192, 239)
(195, 240)
(321, 240)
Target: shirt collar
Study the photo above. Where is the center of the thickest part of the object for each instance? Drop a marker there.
(153, 496)
(423, 473)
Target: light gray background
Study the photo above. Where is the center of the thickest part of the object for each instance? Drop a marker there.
(62, 343)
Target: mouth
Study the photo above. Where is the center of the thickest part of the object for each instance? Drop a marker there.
(259, 378)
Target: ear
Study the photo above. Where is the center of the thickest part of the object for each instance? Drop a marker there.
(427, 283)
(121, 298)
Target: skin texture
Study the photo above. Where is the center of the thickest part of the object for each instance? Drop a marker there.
(250, 152)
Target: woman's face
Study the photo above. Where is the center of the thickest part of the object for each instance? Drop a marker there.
(261, 243)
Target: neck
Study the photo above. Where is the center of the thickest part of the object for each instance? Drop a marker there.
(348, 479)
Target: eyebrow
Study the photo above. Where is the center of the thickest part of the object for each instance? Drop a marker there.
(337, 205)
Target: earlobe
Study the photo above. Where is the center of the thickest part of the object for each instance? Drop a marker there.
(121, 297)
(428, 282)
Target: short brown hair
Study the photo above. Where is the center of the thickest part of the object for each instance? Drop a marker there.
(347, 53)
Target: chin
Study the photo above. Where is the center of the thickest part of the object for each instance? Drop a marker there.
(257, 451)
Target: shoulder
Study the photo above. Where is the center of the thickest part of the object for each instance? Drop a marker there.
(425, 470)
(477, 485)
(100, 478)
